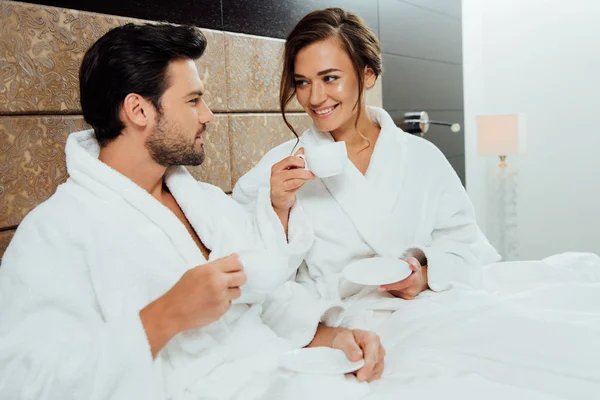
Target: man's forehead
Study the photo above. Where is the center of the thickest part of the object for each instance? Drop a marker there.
(183, 75)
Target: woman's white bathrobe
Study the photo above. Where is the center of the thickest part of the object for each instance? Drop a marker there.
(505, 330)
(410, 197)
(83, 264)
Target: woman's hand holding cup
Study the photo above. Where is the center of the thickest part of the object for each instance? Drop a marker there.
(287, 177)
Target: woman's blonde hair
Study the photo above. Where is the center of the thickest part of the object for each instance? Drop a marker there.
(359, 42)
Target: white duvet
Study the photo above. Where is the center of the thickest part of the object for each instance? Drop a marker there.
(533, 332)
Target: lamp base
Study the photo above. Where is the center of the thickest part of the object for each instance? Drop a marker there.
(502, 161)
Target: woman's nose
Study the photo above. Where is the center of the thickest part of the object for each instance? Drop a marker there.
(317, 94)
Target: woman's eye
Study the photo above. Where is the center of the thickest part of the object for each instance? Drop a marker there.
(301, 83)
(194, 101)
(330, 78)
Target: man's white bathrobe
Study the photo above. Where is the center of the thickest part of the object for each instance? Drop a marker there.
(84, 263)
(510, 330)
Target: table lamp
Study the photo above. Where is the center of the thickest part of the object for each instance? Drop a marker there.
(500, 135)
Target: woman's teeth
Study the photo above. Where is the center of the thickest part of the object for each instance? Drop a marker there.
(324, 111)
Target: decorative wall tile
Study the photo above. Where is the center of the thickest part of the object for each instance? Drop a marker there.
(32, 161)
(211, 67)
(254, 72)
(5, 238)
(41, 49)
(216, 169)
(253, 135)
(205, 13)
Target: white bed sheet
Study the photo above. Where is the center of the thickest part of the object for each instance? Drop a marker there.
(532, 333)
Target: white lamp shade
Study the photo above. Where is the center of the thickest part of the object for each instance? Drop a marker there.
(500, 135)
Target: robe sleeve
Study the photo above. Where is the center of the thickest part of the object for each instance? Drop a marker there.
(291, 310)
(253, 192)
(54, 341)
(458, 249)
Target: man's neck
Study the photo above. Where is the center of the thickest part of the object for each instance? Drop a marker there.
(135, 163)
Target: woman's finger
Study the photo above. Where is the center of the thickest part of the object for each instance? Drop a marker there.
(297, 174)
(400, 285)
(291, 162)
(293, 184)
(413, 263)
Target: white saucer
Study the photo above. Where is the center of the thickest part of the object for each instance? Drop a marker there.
(319, 360)
(377, 271)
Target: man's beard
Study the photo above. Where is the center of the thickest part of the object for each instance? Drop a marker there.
(168, 145)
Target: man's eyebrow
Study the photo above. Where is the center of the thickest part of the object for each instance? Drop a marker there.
(195, 92)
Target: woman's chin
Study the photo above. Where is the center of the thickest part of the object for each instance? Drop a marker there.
(325, 126)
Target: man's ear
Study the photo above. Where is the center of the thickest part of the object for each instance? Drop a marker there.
(137, 111)
(370, 77)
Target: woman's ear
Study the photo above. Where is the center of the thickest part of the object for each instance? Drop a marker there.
(370, 77)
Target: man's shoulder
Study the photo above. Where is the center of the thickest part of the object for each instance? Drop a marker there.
(211, 190)
(61, 214)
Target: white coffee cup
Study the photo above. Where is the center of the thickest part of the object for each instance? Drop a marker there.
(326, 160)
(265, 270)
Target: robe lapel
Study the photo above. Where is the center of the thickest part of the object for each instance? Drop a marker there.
(84, 167)
(196, 206)
(368, 200)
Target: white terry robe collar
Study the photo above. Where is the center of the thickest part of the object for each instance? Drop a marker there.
(369, 199)
(87, 171)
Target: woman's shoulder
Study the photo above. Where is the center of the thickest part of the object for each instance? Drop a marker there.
(423, 147)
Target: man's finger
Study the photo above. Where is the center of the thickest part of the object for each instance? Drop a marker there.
(236, 279)
(231, 263)
(234, 293)
(377, 371)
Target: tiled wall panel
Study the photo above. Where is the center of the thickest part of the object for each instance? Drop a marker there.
(41, 49)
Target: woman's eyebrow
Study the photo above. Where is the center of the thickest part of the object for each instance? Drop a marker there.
(324, 72)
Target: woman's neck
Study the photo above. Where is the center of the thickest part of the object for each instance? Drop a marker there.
(349, 132)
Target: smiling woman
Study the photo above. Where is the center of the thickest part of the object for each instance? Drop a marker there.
(330, 57)
(397, 198)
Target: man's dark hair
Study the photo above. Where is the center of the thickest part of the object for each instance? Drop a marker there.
(131, 59)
